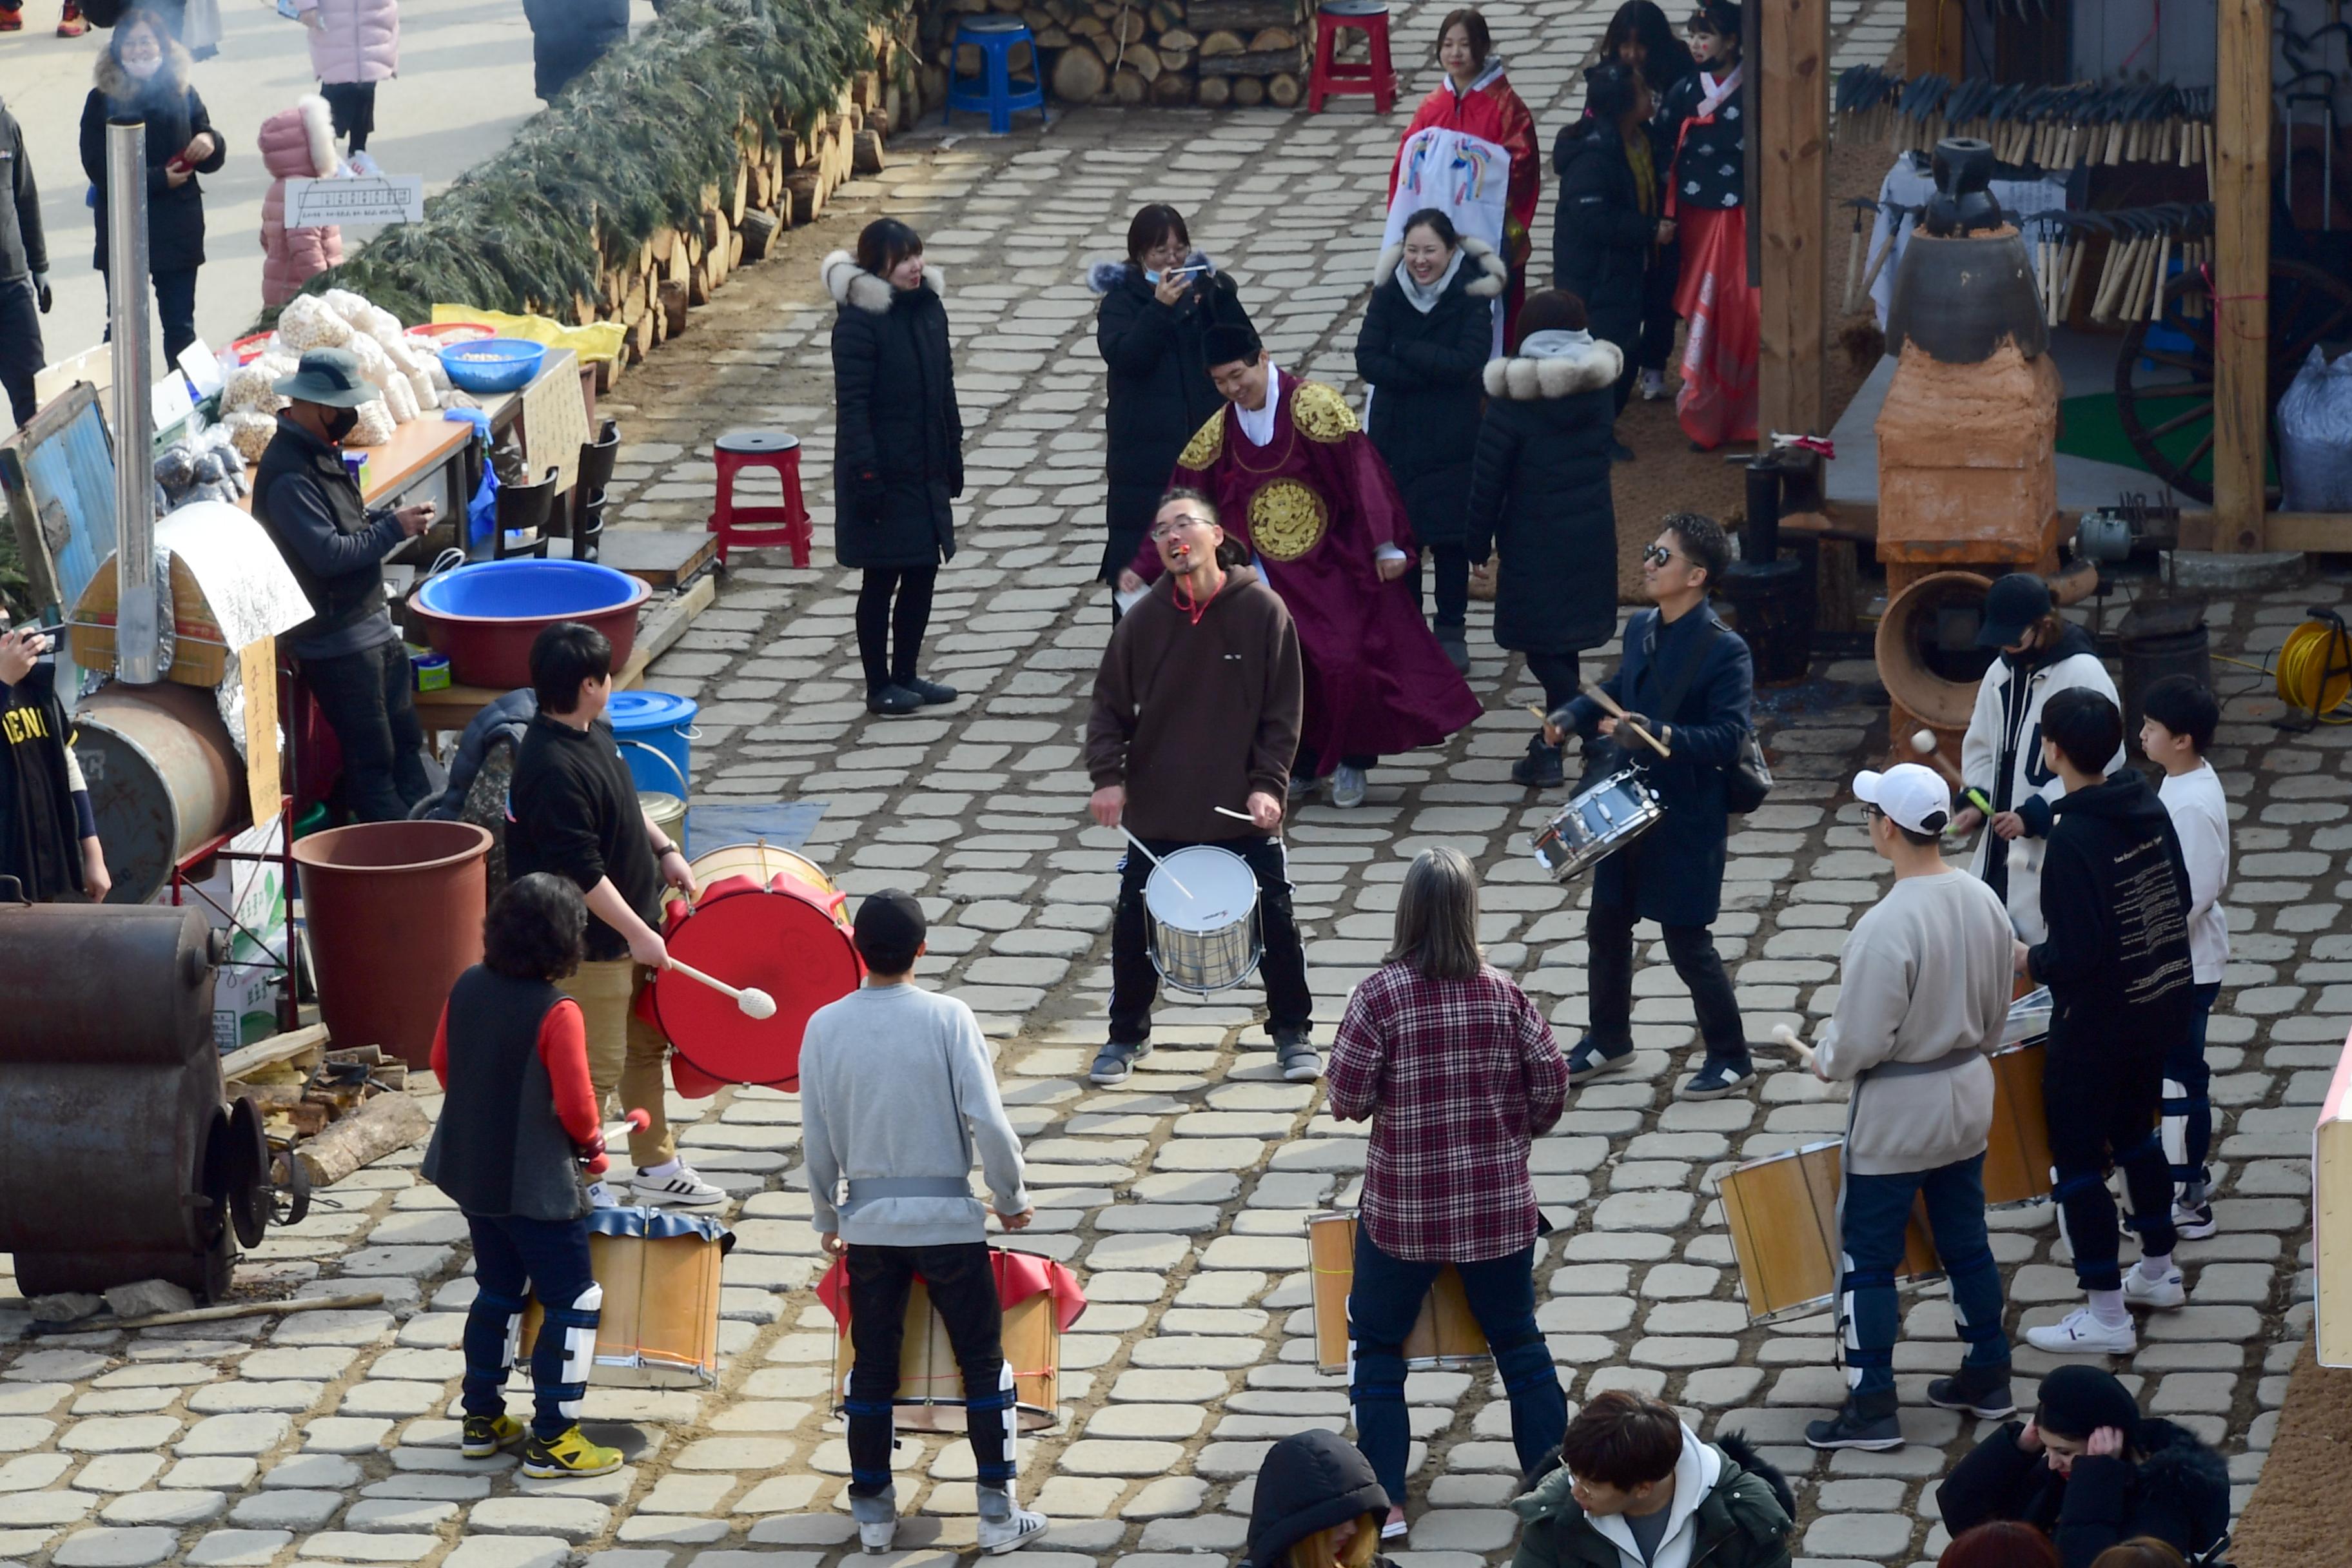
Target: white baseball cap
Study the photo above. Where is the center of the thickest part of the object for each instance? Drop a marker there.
(1912, 796)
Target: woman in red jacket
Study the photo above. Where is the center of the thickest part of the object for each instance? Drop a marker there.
(1477, 99)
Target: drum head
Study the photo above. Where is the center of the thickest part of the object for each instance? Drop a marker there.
(1199, 890)
(784, 943)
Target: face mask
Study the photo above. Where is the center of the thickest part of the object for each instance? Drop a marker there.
(342, 421)
(1151, 276)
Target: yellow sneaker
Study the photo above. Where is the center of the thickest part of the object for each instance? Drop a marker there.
(486, 1436)
(569, 1454)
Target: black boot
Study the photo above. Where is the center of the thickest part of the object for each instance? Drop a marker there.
(1867, 1422)
(1978, 1390)
(1540, 768)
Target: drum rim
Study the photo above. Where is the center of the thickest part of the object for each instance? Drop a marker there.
(1784, 1155)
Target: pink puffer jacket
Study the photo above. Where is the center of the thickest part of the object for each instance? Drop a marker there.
(355, 41)
(296, 143)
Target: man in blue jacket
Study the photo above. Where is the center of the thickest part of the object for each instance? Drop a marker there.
(1693, 673)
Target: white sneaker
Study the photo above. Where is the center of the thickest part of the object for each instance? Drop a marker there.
(875, 1535)
(601, 1196)
(1012, 1533)
(680, 1189)
(1653, 385)
(1347, 786)
(2079, 1332)
(2160, 1295)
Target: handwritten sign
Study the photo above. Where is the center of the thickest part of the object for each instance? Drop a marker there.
(366, 199)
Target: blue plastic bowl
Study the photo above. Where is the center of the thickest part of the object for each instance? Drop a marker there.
(493, 364)
(486, 616)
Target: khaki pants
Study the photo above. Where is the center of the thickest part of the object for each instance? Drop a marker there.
(624, 1051)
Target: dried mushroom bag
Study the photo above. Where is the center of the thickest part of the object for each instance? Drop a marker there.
(376, 427)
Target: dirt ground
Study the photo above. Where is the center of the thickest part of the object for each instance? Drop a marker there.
(2295, 1518)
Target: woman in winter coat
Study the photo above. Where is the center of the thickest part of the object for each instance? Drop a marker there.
(1640, 37)
(144, 72)
(354, 44)
(1317, 1505)
(1156, 307)
(2089, 1471)
(1476, 98)
(1606, 236)
(567, 37)
(1423, 345)
(1700, 126)
(1540, 492)
(296, 143)
(898, 453)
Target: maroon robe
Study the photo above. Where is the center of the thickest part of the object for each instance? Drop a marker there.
(1313, 506)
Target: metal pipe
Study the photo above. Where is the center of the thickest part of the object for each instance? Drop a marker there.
(135, 632)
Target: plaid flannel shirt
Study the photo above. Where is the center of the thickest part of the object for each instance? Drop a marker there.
(1458, 1077)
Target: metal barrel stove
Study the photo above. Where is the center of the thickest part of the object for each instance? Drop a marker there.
(122, 1161)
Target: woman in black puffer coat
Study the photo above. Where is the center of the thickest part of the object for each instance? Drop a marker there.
(1156, 306)
(1318, 1505)
(898, 453)
(1540, 492)
(1605, 242)
(1427, 335)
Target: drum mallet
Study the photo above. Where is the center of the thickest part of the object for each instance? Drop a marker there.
(1923, 742)
(638, 1122)
(1619, 713)
(1788, 1037)
(755, 1003)
(1229, 811)
(1155, 860)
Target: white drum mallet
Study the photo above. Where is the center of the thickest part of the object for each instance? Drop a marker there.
(1788, 1037)
(755, 1003)
(1923, 745)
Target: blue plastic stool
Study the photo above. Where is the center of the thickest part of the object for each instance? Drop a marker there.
(994, 37)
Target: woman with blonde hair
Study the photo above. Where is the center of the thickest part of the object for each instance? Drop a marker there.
(1458, 1073)
(1317, 1505)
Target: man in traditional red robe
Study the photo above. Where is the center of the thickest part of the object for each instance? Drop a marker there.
(1298, 483)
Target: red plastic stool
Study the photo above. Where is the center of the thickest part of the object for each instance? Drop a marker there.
(761, 527)
(1331, 79)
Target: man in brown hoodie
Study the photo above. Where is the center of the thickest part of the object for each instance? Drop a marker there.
(1197, 706)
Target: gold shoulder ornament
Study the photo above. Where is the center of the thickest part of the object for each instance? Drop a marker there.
(1206, 443)
(1321, 414)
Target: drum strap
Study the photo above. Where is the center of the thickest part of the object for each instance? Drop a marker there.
(1944, 1063)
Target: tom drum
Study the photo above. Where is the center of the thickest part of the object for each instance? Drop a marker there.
(1201, 905)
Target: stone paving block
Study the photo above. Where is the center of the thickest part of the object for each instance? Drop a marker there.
(389, 1515)
(20, 1508)
(176, 1509)
(324, 1472)
(673, 1530)
(120, 1434)
(132, 1547)
(517, 1552)
(238, 1547)
(122, 1472)
(573, 1519)
(288, 1510)
(250, 1434)
(780, 1494)
(1879, 1536)
(1168, 1497)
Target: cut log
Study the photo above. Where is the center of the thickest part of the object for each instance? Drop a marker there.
(386, 1123)
(699, 283)
(1053, 37)
(1086, 27)
(1173, 62)
(735, 249)
(802, 196)
(1215, 91)
(1268, 63)
(1129, 87)
(1079, 75)
(639, 340)
(1144, 60)
(1284, 91)
(1164, 14)
(1172, 90)
(1249, 91)
(868, 155)
(1128, 26)
(1107, 46)
(1178, 38)
(673, 307)
(299, 1045)
(1241, 16)
(1221, 42)
(759, 228)
(664, 241)
(1266, 38)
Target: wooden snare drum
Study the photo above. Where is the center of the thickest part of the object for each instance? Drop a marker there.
(1782, 1212)
(660, 1327)
(931, 1384)
(1444, 1335)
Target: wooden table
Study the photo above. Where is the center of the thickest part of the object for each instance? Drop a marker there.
(421, 462)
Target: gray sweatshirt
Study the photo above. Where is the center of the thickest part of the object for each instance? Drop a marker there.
(1923, 978)
(896, 1084)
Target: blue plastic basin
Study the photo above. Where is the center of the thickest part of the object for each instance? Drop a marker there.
(486, 616)
(493, 364)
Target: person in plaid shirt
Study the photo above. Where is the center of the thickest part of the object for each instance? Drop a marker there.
(1457, 1072)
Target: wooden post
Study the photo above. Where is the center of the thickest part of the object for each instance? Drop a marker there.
(2241, 270)
(1791, 155)
(1931, 37)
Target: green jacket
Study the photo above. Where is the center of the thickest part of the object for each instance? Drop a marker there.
(1742, 1521)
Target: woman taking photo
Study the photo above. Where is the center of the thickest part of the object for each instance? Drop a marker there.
(1701, 122)
(1156, 306)
(1422, 347)
(1639, 37)
(142, 74)
(898, 453)
(1476, 99)
(1606, 239)
(1457, 1072)
(1540, 492)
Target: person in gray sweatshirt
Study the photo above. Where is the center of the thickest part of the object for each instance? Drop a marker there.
(1923, 993)
(896, 1090)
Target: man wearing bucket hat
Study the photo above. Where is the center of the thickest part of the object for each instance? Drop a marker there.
(348, 652)
(1923, 993)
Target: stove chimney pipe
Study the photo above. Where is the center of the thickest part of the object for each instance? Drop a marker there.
(135, 631)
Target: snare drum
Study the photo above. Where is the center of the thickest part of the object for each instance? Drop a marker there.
(659, 1325)
(930, 1385)
(1201, 904)
(2017, 1153)
(1596, 823)
(1444, 1335)
(1782, 1212)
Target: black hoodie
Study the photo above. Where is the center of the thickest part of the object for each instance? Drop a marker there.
(2179, 1492)
(1310, 1481)
(22, 249)
(2115, 897)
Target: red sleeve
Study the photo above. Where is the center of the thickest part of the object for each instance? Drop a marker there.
(563, 1048)
(1526, 162)
(441, 1047)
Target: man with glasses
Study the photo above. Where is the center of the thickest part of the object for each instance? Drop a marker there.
(1196, 707)
(1693, 672)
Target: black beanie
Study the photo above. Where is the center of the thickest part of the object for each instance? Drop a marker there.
(1225, 343)
(889, 929)
(2076, 1400)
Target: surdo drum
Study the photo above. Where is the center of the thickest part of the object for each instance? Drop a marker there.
(1201, 905)
(1782, 1213)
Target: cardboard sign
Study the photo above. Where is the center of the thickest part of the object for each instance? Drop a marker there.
(362, 199)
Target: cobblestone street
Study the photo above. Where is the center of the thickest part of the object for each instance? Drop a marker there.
(1182, 1198)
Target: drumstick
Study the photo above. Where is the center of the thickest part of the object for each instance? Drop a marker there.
(1788, 1037)
(1155, 860)
(1236, 815)
(755, 1003)
(1603, 698)
(638, 1122)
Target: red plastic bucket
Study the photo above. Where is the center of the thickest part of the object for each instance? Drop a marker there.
(394, 914)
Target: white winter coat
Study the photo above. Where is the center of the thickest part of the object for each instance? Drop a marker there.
(2200, 819)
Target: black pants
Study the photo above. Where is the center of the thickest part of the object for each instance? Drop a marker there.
(1558, 673)
(1658, 316)
(963, 1286)
(890, 640)
(1623, 390)
(1449, 582)
(515, 1259)
(1134, 984)
(2102, 1104)
(1609, 939)
(21, 355)
(175, 307)
(366, 698)
(352, 103)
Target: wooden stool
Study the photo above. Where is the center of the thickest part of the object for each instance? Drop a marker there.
(995, 37)
(761, 527)
(1331, 79)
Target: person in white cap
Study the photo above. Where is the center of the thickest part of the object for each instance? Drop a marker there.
(1923, 993)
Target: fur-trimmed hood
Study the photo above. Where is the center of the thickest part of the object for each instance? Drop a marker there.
(299, 143)
(1527, 379)
(1491, 271)
(850, 284)
(1104, 275)
(120, 86)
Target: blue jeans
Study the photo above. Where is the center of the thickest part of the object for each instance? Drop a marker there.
(1871, 1215)
(1382, 1307)
(2188, 1114)
(515, 1259)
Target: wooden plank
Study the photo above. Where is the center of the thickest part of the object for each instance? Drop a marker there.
(2317, 533)
(1931, 37)
(299, 1045)
(2242, 269)
(1794, 141)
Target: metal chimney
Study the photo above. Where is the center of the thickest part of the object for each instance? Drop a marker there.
(135, 631)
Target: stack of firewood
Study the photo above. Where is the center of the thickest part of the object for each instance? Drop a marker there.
(1210, 52)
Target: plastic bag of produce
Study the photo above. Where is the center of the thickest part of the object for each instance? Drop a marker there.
(2314, 428)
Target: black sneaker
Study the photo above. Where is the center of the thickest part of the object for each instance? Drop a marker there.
(893, 702)
(1540, 768)
(1718, 1078)
(1978, 1390)
(1455, 640)
(1116, 1062)
(1868, 1421)
(931, 692)
(1296, 1057)
(1591, 1059)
